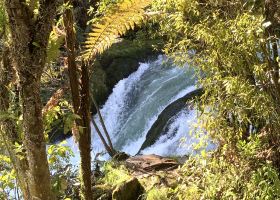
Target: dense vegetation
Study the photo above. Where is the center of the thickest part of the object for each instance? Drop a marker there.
(234, 47)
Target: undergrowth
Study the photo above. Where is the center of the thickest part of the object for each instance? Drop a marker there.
(227, 173)
(114, 174)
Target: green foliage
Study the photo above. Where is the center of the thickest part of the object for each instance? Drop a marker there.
(226, 43)
(158, 194)
(61, 112)
(64, 176)
(53, 49)
(115, 174)
(51, 116)
(115, 22)
(3, 19)
(216, 177)
(59, 154)
(264, 184)
(102, 7)
(7, 178)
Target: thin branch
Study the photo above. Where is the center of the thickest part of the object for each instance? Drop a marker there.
(103, 124)
(108, 149)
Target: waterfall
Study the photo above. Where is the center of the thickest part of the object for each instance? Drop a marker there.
(137, 101)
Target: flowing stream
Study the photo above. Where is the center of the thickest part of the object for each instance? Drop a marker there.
(137, 101)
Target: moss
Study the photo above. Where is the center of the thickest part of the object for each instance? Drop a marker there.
(138, 50)
(115, 173)
(156, 193)
(102, 192)
(99, 89)
(129, 190)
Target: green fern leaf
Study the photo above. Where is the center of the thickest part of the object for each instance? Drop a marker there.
(113, 24)
(55, 42)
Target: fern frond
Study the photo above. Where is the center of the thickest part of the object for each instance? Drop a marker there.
(55, 42)
(114, 23)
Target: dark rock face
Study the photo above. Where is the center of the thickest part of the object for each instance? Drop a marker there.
(119, 69)
(129, 190)
(160, 124)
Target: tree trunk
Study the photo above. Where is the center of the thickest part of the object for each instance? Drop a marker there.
(85, 138)
(80, 8)
(8, 130)
(29, 42)
(107, 147)
(34, 141)
(80, 99)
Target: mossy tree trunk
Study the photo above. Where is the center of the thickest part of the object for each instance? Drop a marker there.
(8, 130)
(30, 36)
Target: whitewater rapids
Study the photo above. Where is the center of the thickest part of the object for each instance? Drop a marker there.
(138, 100)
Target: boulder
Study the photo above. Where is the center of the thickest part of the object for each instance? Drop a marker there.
(120, 156)
(150, 163)
(129, 190)
(102, 192)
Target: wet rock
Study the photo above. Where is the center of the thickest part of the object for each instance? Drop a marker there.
(149, 163)
(119, 69)
(121, 156)
(158, 128)
(129, 190)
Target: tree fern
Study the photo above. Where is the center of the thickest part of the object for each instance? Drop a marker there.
(113, 24)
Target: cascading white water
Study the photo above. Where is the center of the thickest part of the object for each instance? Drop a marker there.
(137, 101)
(177, 141)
